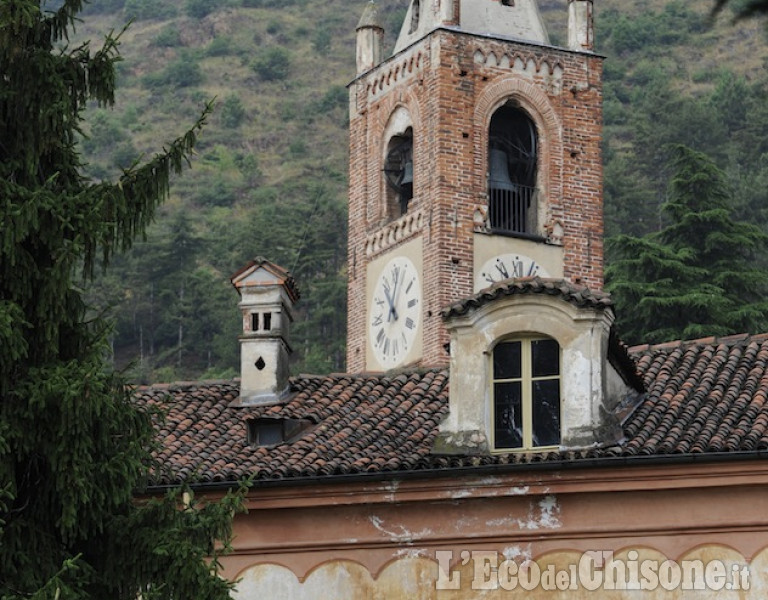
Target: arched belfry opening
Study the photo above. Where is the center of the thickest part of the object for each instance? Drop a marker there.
(513, 155)
(398, 169)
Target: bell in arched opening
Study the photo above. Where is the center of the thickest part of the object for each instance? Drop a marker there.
(512, 167)
(398, 168)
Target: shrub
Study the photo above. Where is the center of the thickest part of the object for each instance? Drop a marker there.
(169, 37)
(182, 72)
(197, 9)
(321, 40)
(232, 111)
(141, 10)
(273, 64)
(219, 46)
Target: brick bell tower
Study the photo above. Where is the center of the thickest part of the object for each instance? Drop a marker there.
(474, 157)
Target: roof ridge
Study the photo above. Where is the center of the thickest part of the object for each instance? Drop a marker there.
(713, 340)
(408, 371)
(182, 385)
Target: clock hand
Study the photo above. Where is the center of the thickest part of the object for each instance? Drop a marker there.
(395, 291)
(392, 311)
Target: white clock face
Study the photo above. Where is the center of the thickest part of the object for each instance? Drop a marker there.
(395, 312)
(506, 266)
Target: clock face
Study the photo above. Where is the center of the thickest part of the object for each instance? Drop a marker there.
(395, 312)
(506, 266)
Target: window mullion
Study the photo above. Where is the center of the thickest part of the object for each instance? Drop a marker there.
(527, 393)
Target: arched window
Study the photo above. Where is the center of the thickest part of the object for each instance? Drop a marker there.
(398, 168)
(512, 169)
(415, 16)
(526, 394)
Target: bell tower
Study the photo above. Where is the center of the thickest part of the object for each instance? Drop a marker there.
(474, 157)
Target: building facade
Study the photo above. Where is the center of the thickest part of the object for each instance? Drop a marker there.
(493, 438)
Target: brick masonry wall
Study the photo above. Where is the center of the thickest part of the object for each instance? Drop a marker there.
(451, 84)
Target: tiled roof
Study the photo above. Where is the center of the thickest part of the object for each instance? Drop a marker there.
(575, 294)
(364, 423)
(706, 396)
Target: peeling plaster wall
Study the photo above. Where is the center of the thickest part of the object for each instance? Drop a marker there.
(388, 541)
(414, 578)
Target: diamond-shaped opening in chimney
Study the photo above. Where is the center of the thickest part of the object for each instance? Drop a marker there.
(260, 364)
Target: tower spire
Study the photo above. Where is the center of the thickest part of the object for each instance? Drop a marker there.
(370, 34)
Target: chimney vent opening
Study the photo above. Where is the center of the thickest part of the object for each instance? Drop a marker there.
(254, 321)
(260, 364)
(267, 321)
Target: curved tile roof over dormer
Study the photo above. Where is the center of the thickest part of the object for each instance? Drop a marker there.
(577, 295)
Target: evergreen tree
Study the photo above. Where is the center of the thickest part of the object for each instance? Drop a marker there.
(695, 277)
(73, 447)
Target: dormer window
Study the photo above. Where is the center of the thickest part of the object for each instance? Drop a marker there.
(526, 394)
(512, 168)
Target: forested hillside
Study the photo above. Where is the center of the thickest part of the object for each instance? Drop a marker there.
(270, 175)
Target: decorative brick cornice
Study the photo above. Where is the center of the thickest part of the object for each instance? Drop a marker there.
(404, 68)
(395, 232)
(525, 64)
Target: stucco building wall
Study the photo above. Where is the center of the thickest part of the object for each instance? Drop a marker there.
(389, 540)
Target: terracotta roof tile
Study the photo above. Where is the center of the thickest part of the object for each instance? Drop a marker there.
(570, 292)
(703, 396)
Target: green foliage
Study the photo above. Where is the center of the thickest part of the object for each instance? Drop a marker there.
(651, 30)
(696, 277)
(221, 45)
(273, 64)
(169, 37)
(321, 40)
(232, 111)
(646, 109)
(124, 154)
(74, 447)
(197, 9)
(96, 7)
(183, 72)
(141, 10)
(298, 147)
(745, 8)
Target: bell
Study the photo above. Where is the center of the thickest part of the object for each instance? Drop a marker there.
(499, 171)
(407, 173)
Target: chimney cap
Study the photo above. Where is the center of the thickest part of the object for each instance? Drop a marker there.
(370, 17)
(272, 274)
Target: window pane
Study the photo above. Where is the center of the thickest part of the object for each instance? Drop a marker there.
(508, 415)
(546, 413)
(506, 361)
(545, 355)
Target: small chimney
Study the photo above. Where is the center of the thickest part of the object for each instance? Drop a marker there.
(581, 25)
(267, 295)
(370, 35)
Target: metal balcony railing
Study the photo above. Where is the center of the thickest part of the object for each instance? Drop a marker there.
(509, 209)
